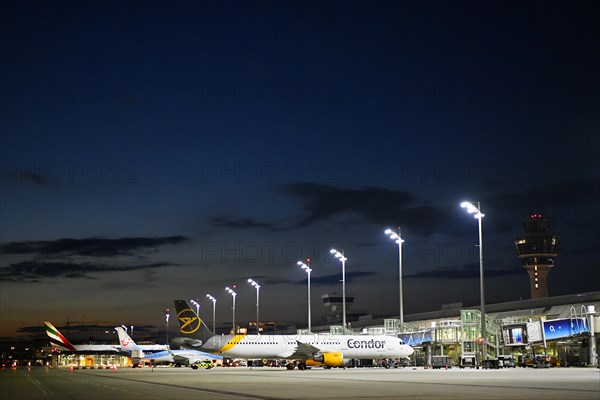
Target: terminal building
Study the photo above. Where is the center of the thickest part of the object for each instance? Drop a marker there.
(560, 328)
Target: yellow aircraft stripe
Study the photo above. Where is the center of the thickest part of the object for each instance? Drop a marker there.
(230, 344)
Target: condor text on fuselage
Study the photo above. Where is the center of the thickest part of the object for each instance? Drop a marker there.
(366, 344)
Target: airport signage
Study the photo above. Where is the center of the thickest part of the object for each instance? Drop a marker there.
(416, 338)
(514, 335)
(534, 332)
(562, 328)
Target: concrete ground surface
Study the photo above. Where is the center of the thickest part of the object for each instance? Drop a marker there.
(277, 383)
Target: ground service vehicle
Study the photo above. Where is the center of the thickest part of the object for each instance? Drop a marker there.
(204, 364)
(440, 362)
(467, 362)
(506, 361)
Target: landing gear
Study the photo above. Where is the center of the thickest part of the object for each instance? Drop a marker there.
(292, 365)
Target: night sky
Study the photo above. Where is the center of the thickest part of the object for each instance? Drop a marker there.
(159, 150)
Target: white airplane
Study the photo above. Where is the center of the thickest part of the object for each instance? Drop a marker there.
(126, 340)
(318, 349)
(60, 342)
(182, 357)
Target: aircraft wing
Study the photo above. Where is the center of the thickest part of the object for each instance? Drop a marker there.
(181, 359)
(305, 351)
(191, 356)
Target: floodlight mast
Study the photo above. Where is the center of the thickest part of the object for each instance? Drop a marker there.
(194, 302)
(476, 210)
(233, 294)
(340, 256)
(396, 237)
(257, 286)
(214, 301)
(308, 271)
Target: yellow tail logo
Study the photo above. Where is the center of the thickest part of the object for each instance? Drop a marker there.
(189, 322)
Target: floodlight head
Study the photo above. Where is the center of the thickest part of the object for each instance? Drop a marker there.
(231, 292)
(338, 255)
(471, 209)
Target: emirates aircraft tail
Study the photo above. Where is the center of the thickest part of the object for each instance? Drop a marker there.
(60, 342)
(57, 339)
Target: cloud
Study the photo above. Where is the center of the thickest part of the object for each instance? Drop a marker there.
(24, 177)
(377, 205)
(324, 280)
(35, 271)
(573, 191)
(30, 177)
(551, 200)
(467, 271)
(91, 247)
(554, 195)
(276, 281)
(392, 207)
(81, 258)
(335, 278)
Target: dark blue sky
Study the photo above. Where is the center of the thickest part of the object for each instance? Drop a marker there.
(153, 151)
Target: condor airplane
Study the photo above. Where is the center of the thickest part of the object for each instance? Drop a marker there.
(318, 349)
(182, 357)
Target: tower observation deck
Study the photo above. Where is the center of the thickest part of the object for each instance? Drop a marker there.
(536, 249)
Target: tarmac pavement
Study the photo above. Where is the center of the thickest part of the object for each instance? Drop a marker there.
(317, 383)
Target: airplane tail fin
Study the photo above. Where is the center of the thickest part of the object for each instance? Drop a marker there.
(126, 341)
(57, 339)
(192, 330)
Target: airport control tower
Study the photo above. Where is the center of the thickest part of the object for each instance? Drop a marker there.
(536, 249)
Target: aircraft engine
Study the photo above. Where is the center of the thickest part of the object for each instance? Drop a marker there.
(334, 359)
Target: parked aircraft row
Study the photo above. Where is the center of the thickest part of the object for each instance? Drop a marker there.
(197, 342)
(155, 354)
